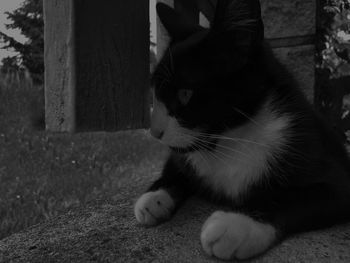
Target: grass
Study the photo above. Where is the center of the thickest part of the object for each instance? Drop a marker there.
(42, 174)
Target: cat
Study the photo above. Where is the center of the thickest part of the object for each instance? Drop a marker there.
(241, 134)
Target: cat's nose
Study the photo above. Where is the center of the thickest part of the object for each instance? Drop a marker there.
(157, 134)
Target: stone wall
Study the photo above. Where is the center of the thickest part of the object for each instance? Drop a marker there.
(293, 25)
(288, 18)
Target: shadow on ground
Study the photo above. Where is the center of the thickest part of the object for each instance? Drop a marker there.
(106, 230)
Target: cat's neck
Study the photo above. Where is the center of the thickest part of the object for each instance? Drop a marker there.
(242, 155)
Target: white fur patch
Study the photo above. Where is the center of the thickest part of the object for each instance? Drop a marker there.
(174, 134)
(154, 207)
(242, 154)
(159, 116)
(232, 235)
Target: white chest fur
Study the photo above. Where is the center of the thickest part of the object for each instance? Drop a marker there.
(242, 155)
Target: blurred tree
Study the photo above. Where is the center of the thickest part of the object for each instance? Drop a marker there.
(28, 18)
(332, 90)
(10, 65)
(335, 55)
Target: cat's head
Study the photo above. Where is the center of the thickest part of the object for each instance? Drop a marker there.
(208, 80)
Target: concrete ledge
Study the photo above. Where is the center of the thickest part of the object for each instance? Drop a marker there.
(299, 61)
(106, 231)
(289, 18)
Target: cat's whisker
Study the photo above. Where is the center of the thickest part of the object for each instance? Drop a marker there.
(209, 152)
(204, 142)
(248, 117)
(206, 160)
(230, 157)
(224, 147)
(214, 153)
(217, 136)
(198, 146)
(189, 138)
(287, 146)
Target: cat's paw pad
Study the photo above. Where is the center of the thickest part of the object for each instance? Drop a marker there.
(154, 207)
(233, 235)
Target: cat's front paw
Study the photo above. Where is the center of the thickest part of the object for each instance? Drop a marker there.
(233, 235)
(153, 208)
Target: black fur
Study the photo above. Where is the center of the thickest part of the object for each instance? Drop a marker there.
(231, 68)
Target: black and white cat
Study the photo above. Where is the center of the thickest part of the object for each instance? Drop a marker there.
(240, 134)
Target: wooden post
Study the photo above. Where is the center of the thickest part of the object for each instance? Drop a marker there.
(59, 65)
(97, 65)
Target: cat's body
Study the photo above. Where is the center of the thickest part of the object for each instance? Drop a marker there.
(243, 135)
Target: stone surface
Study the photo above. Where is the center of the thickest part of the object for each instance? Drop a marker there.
(300, 62)
(289, 18)
(106, 231)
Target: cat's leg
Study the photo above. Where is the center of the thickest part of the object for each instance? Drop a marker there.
(165, 195)
(154, 207)
(228, 235)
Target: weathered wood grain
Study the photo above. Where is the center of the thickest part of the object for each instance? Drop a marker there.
(102, 84)
(59, 65)
(112, 65)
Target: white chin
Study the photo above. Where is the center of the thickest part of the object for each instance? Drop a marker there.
(177, 136)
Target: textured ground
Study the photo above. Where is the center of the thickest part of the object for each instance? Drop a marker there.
(106, 231)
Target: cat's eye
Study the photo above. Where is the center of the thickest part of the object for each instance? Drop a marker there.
(185, 95)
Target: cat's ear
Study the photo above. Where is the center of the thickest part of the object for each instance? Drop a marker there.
(241, 18)
(178, 25)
